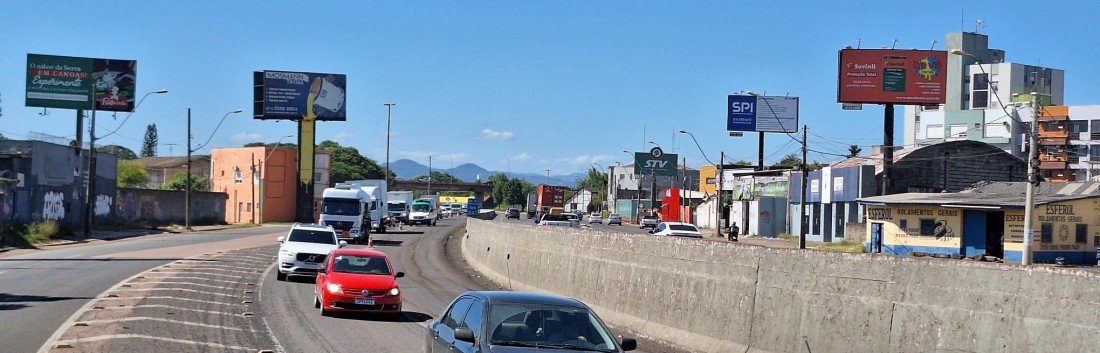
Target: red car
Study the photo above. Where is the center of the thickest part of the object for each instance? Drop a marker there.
(360, 280)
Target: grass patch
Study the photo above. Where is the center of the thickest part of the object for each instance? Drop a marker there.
(38, 232)
(788, 237)
(844, 246)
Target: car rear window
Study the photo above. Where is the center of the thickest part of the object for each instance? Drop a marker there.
(312, 236)
(683, 228)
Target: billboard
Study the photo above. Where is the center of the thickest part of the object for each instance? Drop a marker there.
(892, 76)
(655, 162)
(300, 95)
(761, 114)
(68, 82)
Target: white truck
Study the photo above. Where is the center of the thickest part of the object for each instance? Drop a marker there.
(355, 206)
(398, 205)
(424, 212)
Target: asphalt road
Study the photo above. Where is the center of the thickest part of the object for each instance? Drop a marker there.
(40, 290)
(429, 285)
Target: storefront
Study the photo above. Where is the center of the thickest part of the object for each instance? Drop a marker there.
(988, 220)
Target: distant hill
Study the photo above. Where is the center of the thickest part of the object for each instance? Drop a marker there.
(468, 172)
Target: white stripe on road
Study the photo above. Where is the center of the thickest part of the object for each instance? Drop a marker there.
(165, 307)
(188, 277)
(171, 297)
(199, 272)
(174, 289)
(178, 282)
(148, 318)
(75, 342)
(199, 269)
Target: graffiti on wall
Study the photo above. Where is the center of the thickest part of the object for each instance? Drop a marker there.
(53, 206)
(102, 205)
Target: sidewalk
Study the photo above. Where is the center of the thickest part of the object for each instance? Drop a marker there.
(109, 235)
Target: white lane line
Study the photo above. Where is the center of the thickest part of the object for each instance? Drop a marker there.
(164, 307)
(174, 289)
(75, 342)
(187, 277)
(200, 272)
(172, 298)
(180, 282)
(207, 268)
(148, 318)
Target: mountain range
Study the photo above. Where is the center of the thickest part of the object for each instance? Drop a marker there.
(469, 172)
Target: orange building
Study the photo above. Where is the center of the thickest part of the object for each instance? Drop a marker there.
(1055, 154)
(268, 195)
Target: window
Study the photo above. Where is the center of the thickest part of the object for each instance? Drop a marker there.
(958, 131)
(927, 227)
(1076, 127)
(238, 177)
(904, 223)
(934, 131)
(1082, 233)
(996, 130)
(457, 312)
(981, 100)
(474, 318)
(1046, 233)
(248, 207)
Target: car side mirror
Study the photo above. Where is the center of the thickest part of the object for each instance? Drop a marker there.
(629, 344)
(279, 239)
(399, 274)
(464, 334)
(343, 243)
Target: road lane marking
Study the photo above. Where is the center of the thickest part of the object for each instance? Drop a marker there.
(173, 298)
(149, 318)
(75, 342)
(174, 289)
(143, 306)
(200, 269)
(204, 273)
(179, 282)
(187, 277)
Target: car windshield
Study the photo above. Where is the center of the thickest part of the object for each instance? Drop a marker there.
(374, 265)
(312, 236)
(649, 217)
(555, 217)
(340, 207)
(683, 227)
(421, 207)
(523, 324)
(396, 206)
(614, 215)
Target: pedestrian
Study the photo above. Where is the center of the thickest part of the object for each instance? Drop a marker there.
(734, 232)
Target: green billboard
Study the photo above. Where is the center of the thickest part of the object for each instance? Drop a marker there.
(655, 162)
(68, 82)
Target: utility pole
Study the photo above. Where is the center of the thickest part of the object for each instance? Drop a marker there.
(1032, 179)
(429, 175)
(802, 210)
(718, 192)
(389, 110)
(89, 201)
(253, 182)
(187, 191)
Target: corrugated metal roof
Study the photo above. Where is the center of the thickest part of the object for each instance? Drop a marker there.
(994, 194)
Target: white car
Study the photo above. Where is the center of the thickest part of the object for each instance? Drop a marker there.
(676, 229)
(595, 218)
(303, 251)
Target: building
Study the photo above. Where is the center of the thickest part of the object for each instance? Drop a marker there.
(632, 192)
(1069, 142)
(756, 201)
(989, 220)
(264, 194)
(161, 170)
(979, 98)
(579, 201)
(831, 200)
(46, 182)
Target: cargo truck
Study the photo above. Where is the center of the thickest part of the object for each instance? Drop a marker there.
(398, 205)
(370, 195)
(424, 211)
(549, 196)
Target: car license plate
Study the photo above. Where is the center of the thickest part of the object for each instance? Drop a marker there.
(364, 301)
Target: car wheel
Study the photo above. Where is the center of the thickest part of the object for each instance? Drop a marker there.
(279, 276)
(316, 302)
(321, 308)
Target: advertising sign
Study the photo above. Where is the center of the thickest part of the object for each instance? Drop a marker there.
(69, 83)
(655, 162)
(761, 114)
(892, 76)
(301, 95)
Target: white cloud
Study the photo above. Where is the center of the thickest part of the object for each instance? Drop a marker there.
(489, 134)
(437, 157)
(521, 157)
(585, 161)
(344, 137)
(243, 138)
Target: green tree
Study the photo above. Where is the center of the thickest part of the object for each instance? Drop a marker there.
(816, 165)
(438, 177)
(123, 153)
(271, 144)
(854, 151)
(349, 164)
(179, 183)
(149, 144)
(132, 174)
(515, 192)
(789, 161)
(742, 163)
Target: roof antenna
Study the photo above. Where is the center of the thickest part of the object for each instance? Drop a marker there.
(859, 42)
(895, 43)
(978, 26)
(934, 42)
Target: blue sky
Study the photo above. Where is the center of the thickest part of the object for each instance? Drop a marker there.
(546, 84)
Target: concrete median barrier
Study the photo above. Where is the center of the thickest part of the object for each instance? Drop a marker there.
(721, 297)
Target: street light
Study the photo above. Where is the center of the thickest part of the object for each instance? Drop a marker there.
(389, 110)
(260, 204)
(655, 144)
(187, 191)
(1032, 161)
(159, 91)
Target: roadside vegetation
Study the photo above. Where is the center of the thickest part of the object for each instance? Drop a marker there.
(33, 234)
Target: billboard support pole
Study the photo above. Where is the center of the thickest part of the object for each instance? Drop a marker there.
(89, 198)
(760, 156)
(306, 144)
(887, 148)
(79, 129)
(803, 218)
(718, 202)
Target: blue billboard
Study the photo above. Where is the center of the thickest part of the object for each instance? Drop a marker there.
(761, 113)
(473, 207)
(302, 95)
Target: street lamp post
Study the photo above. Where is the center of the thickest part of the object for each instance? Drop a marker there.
(389, 110)
(187, 191)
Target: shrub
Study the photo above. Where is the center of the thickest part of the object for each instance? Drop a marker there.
(41, 232)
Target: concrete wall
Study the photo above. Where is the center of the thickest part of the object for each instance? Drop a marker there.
(167, 206)
(721, 297)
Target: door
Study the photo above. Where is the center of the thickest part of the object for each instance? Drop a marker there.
(876, 238)
(827, 216)
(974, 233)
(995, 233)
(442, 331)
